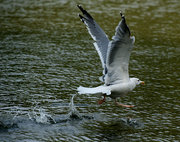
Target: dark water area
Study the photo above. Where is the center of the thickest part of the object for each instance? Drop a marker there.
(46, 53)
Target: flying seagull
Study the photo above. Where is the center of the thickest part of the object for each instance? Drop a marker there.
(114, 56)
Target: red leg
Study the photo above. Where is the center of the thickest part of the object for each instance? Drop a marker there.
(103, 100)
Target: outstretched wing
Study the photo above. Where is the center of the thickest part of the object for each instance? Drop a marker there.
(98, 35)
(118, 54)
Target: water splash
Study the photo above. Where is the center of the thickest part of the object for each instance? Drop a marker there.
(18, 112)
(42, 117)
(38, 115)
(73, 113)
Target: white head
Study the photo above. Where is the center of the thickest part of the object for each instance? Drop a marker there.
(137, 81)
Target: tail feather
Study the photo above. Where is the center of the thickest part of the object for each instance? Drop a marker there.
(95, 90)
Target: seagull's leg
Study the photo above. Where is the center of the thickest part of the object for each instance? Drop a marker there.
(118, 104)
(103, 100)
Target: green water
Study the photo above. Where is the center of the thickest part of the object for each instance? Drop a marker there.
(46, 53)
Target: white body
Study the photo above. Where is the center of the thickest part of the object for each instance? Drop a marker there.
(113, 91)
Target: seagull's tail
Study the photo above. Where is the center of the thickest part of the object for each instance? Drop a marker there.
(96, 90)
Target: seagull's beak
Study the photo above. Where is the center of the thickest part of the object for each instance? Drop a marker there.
(142, 83)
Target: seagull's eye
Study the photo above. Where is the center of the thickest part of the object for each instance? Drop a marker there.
(138, 80)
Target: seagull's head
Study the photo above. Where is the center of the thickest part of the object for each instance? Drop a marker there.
(137, 81)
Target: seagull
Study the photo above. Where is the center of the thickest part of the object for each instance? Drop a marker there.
(114, 56)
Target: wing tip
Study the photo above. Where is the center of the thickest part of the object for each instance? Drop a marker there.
(81, 17)
(124, 21)
(80, 7)
(122, 15)
(85, 13)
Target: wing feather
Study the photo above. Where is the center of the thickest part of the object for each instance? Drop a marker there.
(98, 35)
(118, 54)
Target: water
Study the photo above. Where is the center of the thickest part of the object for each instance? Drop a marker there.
(46, 53)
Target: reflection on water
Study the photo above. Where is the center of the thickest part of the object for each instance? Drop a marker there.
(46, 53)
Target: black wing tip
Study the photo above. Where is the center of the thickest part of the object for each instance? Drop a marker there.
(80, 7)
(81, 17)
(124, 21)
(84, 12)
(122, 15)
